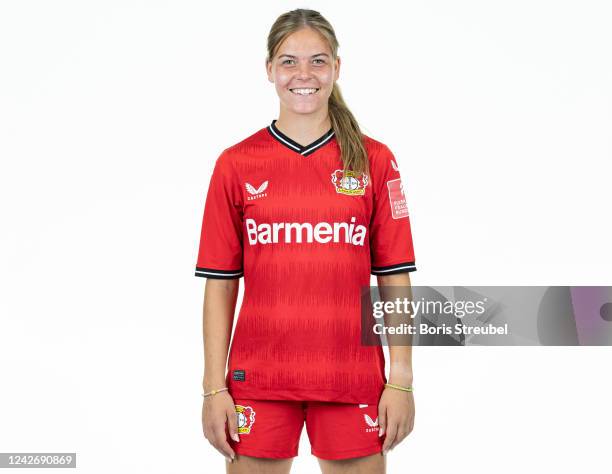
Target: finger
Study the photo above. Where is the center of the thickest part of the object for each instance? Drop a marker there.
(213, 442)
(227, 458)
(232, 425)
(221, 442)
(382, 420)
(391, 433)
(399, 437)
(403, 428)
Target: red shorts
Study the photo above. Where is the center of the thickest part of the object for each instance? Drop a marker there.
(272, 428)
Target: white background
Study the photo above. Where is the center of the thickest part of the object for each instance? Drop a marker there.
(111, 116)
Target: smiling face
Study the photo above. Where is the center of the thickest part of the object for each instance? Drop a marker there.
(303, 72)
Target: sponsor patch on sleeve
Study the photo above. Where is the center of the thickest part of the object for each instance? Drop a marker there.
(397, 200)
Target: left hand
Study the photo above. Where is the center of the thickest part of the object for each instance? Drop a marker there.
(395, 416)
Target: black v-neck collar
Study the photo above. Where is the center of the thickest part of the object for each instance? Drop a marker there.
(295, 146)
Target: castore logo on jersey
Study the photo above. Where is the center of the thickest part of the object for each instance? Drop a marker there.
(256, 193)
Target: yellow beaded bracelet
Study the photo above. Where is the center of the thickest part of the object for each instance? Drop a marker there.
(212, 392)
(399, 387)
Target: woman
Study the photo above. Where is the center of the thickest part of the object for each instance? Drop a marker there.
(305, 209)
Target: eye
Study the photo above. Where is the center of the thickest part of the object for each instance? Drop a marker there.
(322, 61)
(286, 61)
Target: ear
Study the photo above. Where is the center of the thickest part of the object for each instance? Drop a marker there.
(269, 70)
(337, 68)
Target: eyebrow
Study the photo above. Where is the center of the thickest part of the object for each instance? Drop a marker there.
(291, 56)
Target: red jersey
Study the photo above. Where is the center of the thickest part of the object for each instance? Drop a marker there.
(306, 239)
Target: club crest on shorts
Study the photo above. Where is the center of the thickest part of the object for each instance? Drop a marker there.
(246, 418)
(352, 183)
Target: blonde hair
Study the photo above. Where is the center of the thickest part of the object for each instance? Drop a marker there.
(348, 134)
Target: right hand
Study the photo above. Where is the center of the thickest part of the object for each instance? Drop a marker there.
(218, 411)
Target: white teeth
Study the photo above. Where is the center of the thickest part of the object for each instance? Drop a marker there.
(304, 91)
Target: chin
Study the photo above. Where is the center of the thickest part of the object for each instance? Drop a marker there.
(304, 111)
(304, 108)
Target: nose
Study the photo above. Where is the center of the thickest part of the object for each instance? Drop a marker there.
(304, 70)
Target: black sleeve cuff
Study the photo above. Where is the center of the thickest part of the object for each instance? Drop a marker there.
(219, 274)
(393, 269)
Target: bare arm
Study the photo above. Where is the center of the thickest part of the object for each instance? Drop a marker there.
(396, 408)
(218, 410)
(400, 364)
(219, 306)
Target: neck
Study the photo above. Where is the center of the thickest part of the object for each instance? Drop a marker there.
(303, 128)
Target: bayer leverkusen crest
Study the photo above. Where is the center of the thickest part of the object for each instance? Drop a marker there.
(351, 183)
(246, 418)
